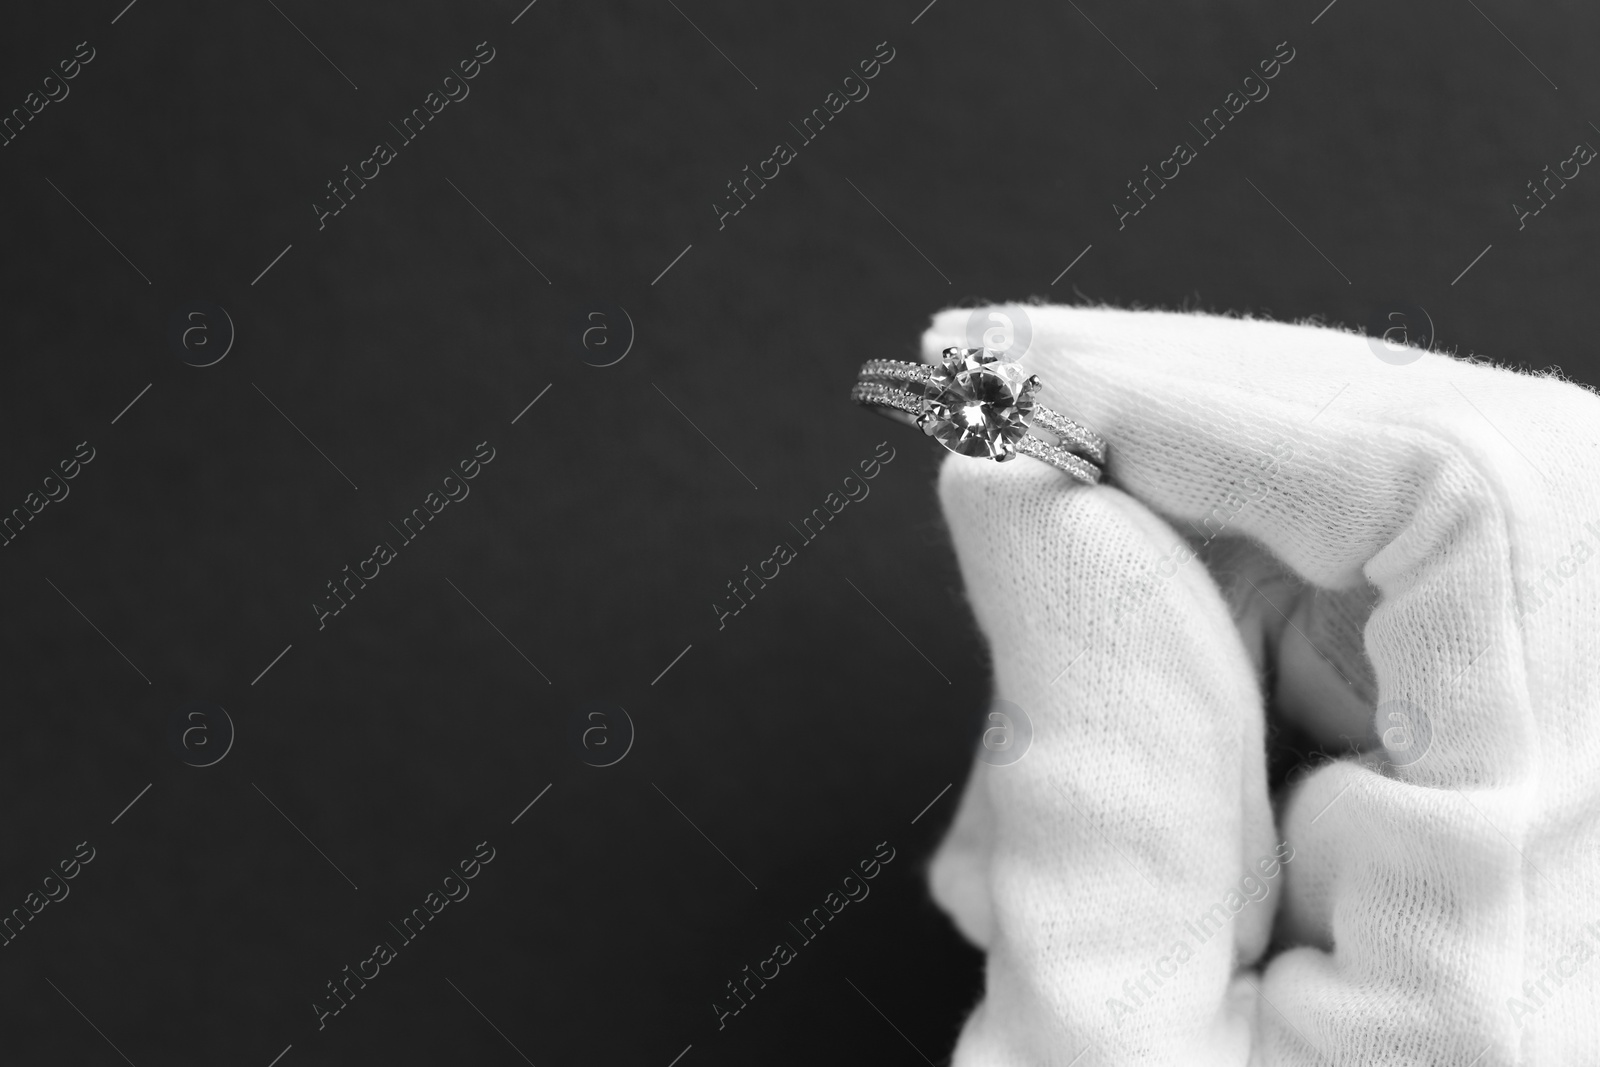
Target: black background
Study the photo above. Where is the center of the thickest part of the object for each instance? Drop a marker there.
(408, 330)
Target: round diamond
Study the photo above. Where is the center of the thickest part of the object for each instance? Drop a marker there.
(977, 403)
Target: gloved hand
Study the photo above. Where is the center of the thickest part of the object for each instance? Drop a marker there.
(1397, 559)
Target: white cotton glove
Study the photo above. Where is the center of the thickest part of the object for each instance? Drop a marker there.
(1419, 537)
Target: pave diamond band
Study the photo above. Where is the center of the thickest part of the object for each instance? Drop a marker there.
(1060, 459)
(1070, 434)
(896, 370)
(888, 396)
(977, 404)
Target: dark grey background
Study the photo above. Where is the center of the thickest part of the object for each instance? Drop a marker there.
(408, 330)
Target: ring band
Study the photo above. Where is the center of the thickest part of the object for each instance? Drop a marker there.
(977, 404)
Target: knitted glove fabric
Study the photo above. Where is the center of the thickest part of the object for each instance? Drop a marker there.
(1407, 563)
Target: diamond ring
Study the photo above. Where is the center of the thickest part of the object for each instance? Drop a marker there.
(977, 404)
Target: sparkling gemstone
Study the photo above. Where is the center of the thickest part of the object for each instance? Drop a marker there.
(977, 402)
